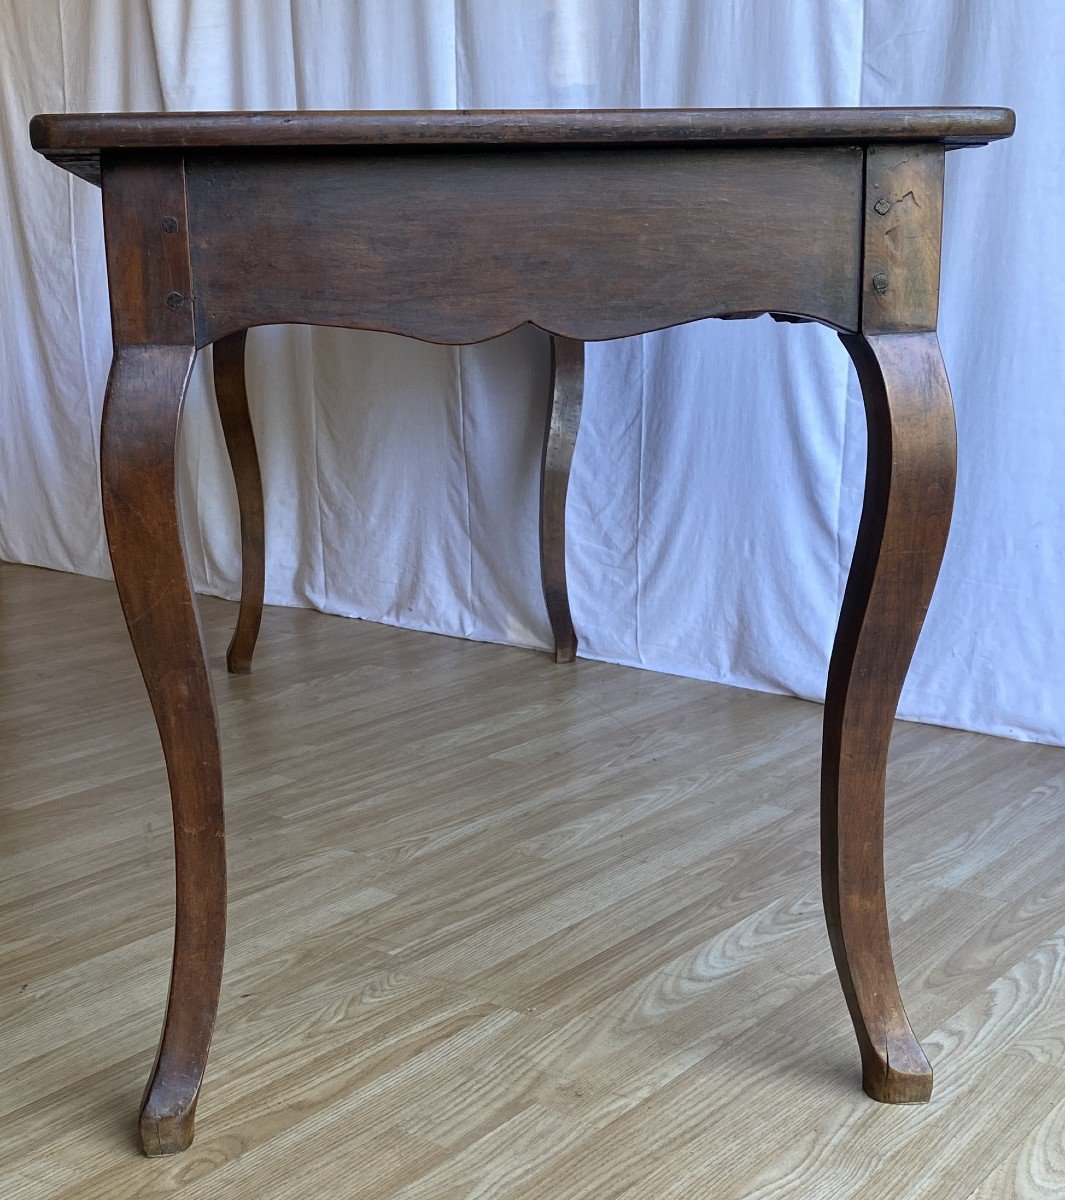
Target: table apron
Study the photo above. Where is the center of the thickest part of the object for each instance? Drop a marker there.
(457, 247)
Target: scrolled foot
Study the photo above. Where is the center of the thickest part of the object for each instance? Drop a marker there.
(899, 1074)
(164, 1133)
(238, 662)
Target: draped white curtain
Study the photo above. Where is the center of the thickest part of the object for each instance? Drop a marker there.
(718, 475)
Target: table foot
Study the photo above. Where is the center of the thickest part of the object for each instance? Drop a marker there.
(145, 392)
(893, 1083)
(560, 438)
(232, 396)
(909, 494)
(169, 1133)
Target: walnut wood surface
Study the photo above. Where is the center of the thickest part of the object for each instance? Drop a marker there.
(460, 244)
(74, 140)
(909, 494)
(588, 244)
(560, 439)
(140, 423)
(146, 237)
(231, 394)
(147, 242)
(903, 231)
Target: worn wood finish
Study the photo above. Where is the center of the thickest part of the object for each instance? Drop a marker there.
(74, 140)
(147, 241)
(232, 395)
(463, 242)
(146, 235)
(560, 439)
(903, 229)
(909, 494)
(144, 396)
(624, 241)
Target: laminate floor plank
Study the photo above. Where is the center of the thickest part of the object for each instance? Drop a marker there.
(504, 929)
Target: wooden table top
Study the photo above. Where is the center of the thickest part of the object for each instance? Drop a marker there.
(74, 140)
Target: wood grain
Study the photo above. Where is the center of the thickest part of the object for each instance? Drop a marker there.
(903, 230)
(587, 243)
(138, 444)
(375, 1036)
(231, 394)
(584, 243)
(909, 496)
(74, 140)
(560, 440)
(146, 234)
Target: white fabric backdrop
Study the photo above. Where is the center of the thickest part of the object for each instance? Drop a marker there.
(718, 475)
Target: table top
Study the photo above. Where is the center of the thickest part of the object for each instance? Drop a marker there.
(74, 140)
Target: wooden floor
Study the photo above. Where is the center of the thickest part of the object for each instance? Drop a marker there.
(506, 929)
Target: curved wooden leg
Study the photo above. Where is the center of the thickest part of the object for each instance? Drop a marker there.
(232, 395)
(909, 493)
(560, 437)
(144, 397)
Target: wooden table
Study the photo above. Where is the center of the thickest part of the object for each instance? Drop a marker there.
(458, 226)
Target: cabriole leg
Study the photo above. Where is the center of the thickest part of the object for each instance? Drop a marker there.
(905, 518)
(144, 398)
(232, 396)
(560, 437)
